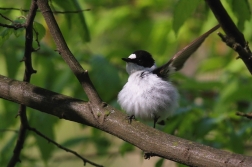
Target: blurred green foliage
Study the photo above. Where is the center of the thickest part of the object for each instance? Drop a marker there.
(213, 85)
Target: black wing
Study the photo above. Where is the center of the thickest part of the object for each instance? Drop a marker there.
(178, 60)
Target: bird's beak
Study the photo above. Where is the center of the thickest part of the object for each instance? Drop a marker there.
(127, 59)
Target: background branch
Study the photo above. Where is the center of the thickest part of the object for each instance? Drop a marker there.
(234, 38)
(66, 54)
(53, 11)
(247, 115)
(144, 137)
(14, 25)
(64, 148)
(27, 76)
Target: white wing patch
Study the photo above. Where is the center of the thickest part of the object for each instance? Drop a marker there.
(132, 56)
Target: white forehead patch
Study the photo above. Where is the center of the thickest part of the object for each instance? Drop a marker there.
(132, 56)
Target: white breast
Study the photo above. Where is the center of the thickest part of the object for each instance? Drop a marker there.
(146, 96)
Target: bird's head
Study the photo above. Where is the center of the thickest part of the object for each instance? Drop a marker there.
(139, 60)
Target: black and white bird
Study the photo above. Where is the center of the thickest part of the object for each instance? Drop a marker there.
(148, 94)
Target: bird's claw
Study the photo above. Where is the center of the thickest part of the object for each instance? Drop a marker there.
(130, 118)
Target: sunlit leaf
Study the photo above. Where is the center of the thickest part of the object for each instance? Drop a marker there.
(183, 10)
(75, 19)
(242, 11)
(40, 29)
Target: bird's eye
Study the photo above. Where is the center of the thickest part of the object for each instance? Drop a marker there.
(140, 62)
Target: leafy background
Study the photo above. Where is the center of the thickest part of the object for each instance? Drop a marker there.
(213, 85)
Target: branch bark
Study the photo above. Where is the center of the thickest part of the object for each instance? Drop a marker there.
(66, 54)
(234, 38)
(144, 137)
(27, 76)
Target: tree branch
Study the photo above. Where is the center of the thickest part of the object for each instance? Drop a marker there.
(54, 11)
(234, 38)
(66, 54)
(14, 25)
(27, 76)
(247, 115)
(144, 137)
(64, 148)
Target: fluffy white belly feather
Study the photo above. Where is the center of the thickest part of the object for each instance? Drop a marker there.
(146, 96)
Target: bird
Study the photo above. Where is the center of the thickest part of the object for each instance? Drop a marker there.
(148, 93)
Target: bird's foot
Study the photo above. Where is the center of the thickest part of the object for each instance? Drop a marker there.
(149, 155)
(130, 118)
(155, 121)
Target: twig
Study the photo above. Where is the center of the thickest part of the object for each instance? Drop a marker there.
(247, 115)
(8, 130)
(14, 25)
(37, 34)
(6, 18)
(54, 11)
(27, 76)
(64, 148)
(72, 12)
(79, 72)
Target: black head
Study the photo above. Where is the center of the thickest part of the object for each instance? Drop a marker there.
(141, 58)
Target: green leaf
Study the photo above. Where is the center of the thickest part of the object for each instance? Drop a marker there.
(76, 19)
(40, 29)
(12, 58)
(235, 91)
(19, 20)
(125, 148)
(212, 63)
(5, 35)
(241, 9)
(105, 77)
(7, 32)
(18, 32)
(7, 114)
(82, 21)
(6, 149)
(75, 141)
(44, 123)
(204, 126)
(183, 10)
(159, 163)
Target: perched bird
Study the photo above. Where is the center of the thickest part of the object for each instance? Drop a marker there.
(148, 94)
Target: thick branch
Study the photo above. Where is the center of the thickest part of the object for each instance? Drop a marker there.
(66, 54)
(146, 138)
(234, 38)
